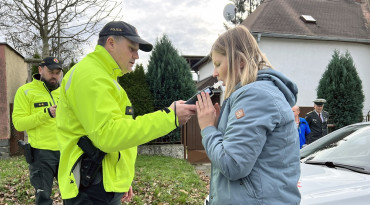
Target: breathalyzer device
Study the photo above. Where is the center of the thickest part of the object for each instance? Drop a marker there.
(208, 89)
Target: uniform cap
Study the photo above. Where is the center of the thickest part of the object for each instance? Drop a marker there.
(319, 101)
(120, 28)
(51, 62)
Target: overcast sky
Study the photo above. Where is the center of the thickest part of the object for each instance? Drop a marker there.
(191, 25)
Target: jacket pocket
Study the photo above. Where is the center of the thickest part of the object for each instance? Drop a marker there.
(120, 166)
(247, 184)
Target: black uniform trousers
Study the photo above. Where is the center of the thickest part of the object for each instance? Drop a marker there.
(43, 169)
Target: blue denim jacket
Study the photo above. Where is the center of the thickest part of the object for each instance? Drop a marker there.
(254, 150)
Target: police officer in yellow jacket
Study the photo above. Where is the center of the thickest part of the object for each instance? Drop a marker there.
(34, 111)
(93, 104)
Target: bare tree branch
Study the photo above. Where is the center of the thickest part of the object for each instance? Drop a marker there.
(54, 25)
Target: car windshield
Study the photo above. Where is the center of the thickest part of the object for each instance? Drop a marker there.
(352, 148)
(329, 139)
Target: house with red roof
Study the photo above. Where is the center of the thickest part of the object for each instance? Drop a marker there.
(299, 38)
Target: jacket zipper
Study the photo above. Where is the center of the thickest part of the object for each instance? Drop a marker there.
(49, 93)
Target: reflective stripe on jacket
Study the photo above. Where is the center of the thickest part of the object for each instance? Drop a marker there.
(30, 114)
(93, 103)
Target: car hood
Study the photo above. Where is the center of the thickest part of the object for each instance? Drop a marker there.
(322, 185)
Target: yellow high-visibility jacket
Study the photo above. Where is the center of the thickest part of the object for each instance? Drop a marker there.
(92, 103)
(30, 113)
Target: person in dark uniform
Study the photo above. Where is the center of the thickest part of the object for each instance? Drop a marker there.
(318, 121)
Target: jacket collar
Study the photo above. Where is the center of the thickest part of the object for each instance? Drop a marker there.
(36, 79)
(109, 63)
(318, 112)
(237, 86)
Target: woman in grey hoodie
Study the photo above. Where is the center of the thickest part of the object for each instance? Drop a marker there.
(252, 140)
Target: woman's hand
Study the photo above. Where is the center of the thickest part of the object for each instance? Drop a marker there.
(206, 112)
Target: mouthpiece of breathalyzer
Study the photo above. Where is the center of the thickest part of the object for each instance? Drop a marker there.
(208, 89)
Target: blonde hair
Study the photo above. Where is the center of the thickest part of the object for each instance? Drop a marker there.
(244, 58)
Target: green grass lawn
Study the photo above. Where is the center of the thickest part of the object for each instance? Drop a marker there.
(158, 180)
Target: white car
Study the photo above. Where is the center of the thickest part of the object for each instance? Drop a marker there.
(335, 169)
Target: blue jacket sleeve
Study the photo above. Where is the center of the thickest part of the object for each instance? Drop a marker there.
(236, 150)
(307, 129)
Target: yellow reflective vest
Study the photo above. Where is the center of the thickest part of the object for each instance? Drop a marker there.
(30, 113)
(92, 103)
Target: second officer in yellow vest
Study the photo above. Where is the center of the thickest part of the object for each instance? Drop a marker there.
(34, 111)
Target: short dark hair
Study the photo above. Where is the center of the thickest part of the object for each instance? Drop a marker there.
(103, 40)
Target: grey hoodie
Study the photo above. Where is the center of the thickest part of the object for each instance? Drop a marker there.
(254, 150)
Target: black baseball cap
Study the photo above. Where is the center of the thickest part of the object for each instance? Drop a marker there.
(120, 28)
(51, 62)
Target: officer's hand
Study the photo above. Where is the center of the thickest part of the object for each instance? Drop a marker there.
(127, 196)
(183, 111)
(52, 110)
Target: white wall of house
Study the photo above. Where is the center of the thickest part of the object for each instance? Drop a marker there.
(304, 62)
(205, 70)
(16, 73)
